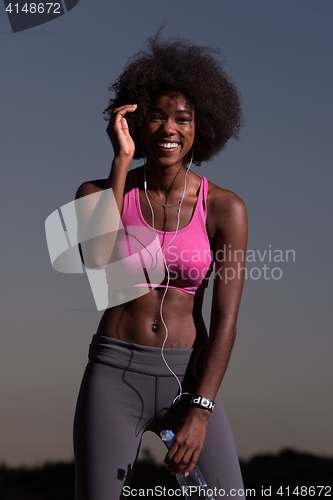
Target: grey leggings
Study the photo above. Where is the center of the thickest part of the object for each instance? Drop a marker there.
(127, 390)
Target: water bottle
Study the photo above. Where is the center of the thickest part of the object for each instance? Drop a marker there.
(193, 486)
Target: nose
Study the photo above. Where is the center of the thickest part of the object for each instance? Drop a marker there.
(169, 127)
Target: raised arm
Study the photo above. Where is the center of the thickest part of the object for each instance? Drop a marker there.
(99, 212)
(227, 223)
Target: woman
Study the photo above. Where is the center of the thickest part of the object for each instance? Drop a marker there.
(155, 347)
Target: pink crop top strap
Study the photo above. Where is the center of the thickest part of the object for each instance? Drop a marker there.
(188, 254)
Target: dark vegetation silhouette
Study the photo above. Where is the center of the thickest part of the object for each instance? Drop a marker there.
(288, 469)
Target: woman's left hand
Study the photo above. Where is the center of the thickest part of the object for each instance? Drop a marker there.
(188, 441)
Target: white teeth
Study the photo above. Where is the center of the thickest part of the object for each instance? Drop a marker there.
(168, 145)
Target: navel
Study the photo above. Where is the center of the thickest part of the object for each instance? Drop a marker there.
(154, 326)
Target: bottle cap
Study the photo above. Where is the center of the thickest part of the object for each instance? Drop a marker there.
(167, 437)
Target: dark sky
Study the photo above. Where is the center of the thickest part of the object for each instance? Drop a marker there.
(54, 87)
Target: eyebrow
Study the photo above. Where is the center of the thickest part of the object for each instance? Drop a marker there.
(178, 110)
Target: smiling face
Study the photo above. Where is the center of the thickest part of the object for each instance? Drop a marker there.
(169, 132)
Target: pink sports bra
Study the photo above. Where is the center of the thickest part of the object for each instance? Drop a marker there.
(188, 254)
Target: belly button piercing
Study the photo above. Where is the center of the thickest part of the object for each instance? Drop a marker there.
(154, 327)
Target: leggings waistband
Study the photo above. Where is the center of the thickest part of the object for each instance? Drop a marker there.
(144, 359)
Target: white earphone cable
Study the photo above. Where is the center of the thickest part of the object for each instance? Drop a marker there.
(177, 398)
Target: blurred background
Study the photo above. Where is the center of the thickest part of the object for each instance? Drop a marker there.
(54, 87)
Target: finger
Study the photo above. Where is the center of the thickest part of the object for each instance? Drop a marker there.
(123, 125)
(178, 467)
(119, 119)
(124, 106)
(118, 115)
(169, 456)
(122, 110)
(178, 462)
(192, 462)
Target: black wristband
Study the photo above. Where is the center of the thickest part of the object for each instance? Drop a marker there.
(202, 402)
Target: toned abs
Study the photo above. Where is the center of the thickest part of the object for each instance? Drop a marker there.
(139, 321)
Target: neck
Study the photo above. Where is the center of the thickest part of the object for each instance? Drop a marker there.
(163, 180)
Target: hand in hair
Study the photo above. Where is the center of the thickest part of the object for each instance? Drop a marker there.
(117, 129)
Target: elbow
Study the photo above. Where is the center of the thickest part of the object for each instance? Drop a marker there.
(92, 260)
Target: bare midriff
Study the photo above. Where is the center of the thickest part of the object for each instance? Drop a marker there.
(139, 321)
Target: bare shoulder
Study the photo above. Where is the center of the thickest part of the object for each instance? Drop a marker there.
(90, 187)
(223, 200)
(224, 210)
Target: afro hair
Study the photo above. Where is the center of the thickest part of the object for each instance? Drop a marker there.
(179, 66)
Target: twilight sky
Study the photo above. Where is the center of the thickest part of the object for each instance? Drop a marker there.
(54, 87)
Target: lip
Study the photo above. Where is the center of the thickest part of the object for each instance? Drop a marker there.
(168, 149)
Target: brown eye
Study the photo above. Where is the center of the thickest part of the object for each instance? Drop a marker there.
(154, 118)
